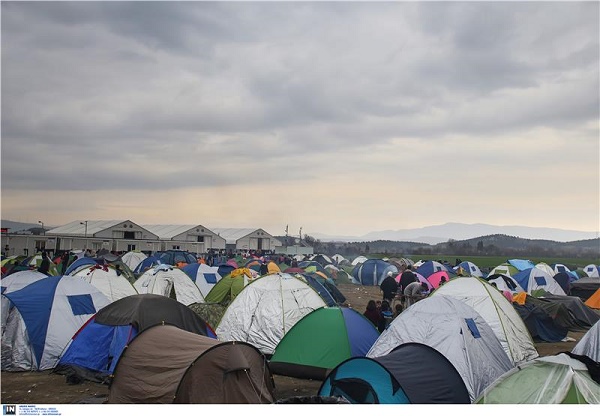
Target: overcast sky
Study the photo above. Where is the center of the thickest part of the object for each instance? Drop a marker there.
(337, 117)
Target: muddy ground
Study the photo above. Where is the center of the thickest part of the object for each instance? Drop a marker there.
(48, 388)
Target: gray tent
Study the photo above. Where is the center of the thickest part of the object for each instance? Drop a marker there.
(589, 345)
(165, 364)
(454, 329)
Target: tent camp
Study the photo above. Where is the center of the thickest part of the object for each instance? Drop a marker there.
(499, 314)
(589, 344)
(340, 260)
(436, 278)
(411, 373)
(204, 276)
(545, 380)
(545, 267)
(358, 260)
(467, 268)
(594, 300)
(583, 316)
(133, 258)
(321, 340)
(106, 278)
(585, 287)
(430, 267)
(421, 278)
(521, 264)
(46, 314)
(561, 268)
(540, 322)
(318, 287)
(146, 264)
(169, 281)
(534, 278)
(95, 349)
(13, 282)
(591, 270)
(226, 289)
(266, 309)
(166, 364)
(82, 263)
(503, 283)
(36, 260)
(505, 269)
(372, 272)
(455, 330)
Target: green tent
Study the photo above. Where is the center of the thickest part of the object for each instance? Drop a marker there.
(321, 340)
(226, 289)
(546, 380)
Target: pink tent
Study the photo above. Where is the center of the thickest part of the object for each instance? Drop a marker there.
(232, 263)
(421, 278)
(436, 277)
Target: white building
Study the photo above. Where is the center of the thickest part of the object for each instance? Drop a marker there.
(248, 239)
(126, 235)
(193, 238)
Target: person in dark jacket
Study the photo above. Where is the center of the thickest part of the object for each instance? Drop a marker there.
(406, 278)
(45, 264)
(373, 314)
(389, 287)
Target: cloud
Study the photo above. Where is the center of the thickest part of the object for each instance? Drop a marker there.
(142, 98)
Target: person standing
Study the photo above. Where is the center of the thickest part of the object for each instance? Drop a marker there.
(406, 278)
(45, 264)
(389, 287)
(64, 262)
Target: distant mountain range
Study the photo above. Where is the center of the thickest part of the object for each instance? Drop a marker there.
(429, 235)
(456, 231)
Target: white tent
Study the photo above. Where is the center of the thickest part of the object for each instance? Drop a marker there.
(169, 281)
(589, 344)
(535, 278)
(359, 260)
(114, 285)
(12, 283)
(468, 269)
(591, 270)
(455, 330)
(545, 267)
(504, 282)
(265, 310)
(203, 275)
(497, 311)
(133, 258)
(46, 315)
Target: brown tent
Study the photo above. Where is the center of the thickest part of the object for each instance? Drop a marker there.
(165, 364)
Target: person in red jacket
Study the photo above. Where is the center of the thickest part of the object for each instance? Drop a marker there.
(373, 314)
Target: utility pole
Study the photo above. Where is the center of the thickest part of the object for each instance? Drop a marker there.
(300, 233)
(85, 234)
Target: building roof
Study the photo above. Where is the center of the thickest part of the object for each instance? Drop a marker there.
(166, 231)
(79, 228)
(232, 235)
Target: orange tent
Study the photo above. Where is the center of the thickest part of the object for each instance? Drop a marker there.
(594, 300)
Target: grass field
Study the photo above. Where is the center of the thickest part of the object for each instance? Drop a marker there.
(490, 262)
